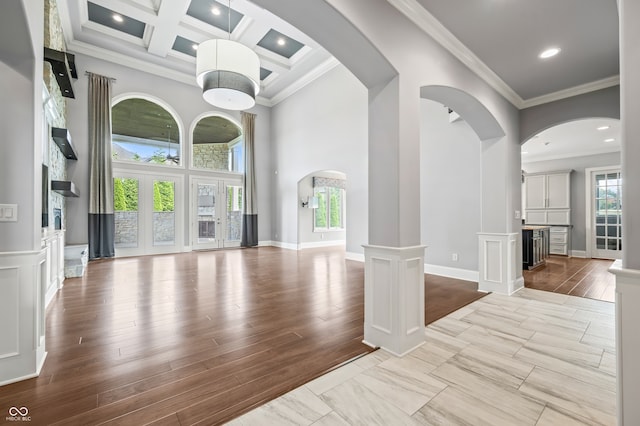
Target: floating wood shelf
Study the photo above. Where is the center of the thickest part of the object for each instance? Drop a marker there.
(62, 138)
(66, 188)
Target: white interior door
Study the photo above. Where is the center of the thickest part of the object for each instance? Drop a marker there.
(216, 213)
(606, 214)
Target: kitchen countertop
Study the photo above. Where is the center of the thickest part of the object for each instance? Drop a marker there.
(534, 227)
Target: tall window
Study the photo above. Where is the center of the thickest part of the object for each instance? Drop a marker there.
(144, 132)
(218, 145)
(330, 213)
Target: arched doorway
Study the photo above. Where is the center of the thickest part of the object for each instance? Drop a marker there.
(589, 150)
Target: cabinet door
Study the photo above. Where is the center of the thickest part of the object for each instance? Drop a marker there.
(558, 191)
(535, 192)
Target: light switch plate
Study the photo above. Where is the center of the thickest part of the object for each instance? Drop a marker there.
(8, 212)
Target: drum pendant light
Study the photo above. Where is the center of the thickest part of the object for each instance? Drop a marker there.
(228, 73)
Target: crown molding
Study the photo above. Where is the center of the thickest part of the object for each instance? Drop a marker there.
(572, 91)
(526, 159)
(309, 77)
(182, 77)
(127, 61)
(430, 25)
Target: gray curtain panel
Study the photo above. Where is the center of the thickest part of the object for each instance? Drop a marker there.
(101, 217)
(250, 213)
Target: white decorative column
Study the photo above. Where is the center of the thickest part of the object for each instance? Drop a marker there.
(498, 263)
(394, 298)
(627, 342)
(628, 271)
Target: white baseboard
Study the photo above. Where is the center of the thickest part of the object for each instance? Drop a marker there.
(280, 244)
(266, 243)
(446, 271)
(578, 253)
(317, 244)
(358, 257)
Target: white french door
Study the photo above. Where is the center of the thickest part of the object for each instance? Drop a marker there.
(148, 213)
(605, 208)
(216, 217)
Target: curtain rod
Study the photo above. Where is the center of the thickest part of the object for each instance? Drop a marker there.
(88, 73)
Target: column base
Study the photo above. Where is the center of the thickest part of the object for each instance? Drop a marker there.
(497, 263)
(627, 343)
(394, 298)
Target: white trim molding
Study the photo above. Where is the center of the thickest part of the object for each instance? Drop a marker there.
(497, 263)
(356, 257)
(317, 244)
(413, 10)
(572, 91)
(394, 298)
(22, 310)
(627, 342)
(457, 273)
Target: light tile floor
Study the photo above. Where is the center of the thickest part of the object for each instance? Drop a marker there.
(535, 358)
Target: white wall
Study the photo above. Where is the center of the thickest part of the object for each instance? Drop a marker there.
(321, 127)
(578, 190)
(21, 41)
(187, 102)
(449, 188)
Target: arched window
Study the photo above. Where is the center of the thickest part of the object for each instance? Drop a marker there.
(218, 145)
(144, 132)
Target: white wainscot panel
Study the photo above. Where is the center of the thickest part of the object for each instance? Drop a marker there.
(9, 312)
(382, 297)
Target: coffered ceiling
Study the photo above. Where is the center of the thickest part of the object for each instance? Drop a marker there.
(499, 39)
(161, 37)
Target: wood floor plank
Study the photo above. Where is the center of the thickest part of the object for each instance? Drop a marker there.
(201, 337)
(574, 276)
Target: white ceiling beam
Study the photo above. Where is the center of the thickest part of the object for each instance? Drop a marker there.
(169, 16)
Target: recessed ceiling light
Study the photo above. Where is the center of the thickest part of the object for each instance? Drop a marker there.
(548, 53)
(281, 42)
(215, 11)
(609, 140)
(604, 127)
(117, 18)
(194, 46)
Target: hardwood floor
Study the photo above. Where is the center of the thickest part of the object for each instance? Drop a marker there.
(445, 295)
(574, 276)
(198, 338)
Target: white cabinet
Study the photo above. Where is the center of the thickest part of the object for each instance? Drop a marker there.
(548, 191)
(559, 240)
(54, 271)
(547, 198)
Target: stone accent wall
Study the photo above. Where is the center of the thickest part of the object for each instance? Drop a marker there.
(211, 156)
(234, 226)
(164, 228)
(126, 229)
(54, 39)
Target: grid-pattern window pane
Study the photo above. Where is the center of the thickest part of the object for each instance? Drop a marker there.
(608, 219)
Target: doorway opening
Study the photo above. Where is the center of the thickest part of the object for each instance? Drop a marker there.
(216, 213)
